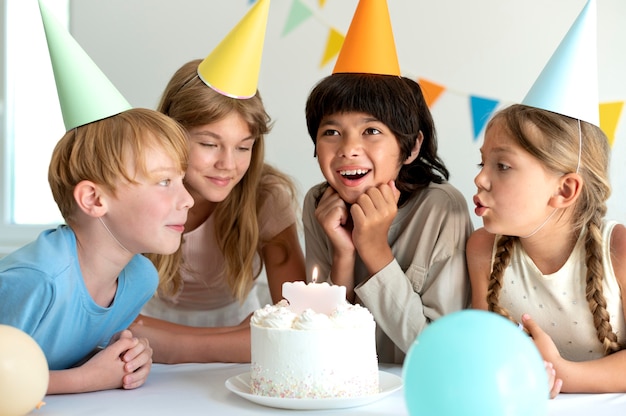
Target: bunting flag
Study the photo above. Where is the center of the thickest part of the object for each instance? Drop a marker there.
(481, 108)
(609, 117)
(431, 91)
(298, 13)
(333, 46)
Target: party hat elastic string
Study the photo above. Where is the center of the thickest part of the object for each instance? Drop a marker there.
(580, 146)
(113, 236)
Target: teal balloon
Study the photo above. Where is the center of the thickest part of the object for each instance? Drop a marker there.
(474, 362)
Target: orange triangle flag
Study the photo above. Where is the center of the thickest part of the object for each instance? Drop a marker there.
(431, 91)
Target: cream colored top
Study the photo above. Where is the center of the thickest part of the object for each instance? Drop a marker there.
(557, 301)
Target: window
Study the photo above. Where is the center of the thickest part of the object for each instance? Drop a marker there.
(31, 123)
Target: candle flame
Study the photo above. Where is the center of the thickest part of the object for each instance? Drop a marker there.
(314, 275)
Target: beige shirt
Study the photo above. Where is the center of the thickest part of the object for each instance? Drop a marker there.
(557, 301)
(428, 277)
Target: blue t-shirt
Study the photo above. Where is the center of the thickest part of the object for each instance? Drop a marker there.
(43, 293)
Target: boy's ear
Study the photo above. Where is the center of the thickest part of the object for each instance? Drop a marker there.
(416, 149)
(570, 187)
(90, 199)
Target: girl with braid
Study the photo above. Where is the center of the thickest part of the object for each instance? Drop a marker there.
(546, 257)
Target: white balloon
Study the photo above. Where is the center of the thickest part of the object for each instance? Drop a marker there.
(24, 372)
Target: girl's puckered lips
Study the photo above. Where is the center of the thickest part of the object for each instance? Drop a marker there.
(480, 208)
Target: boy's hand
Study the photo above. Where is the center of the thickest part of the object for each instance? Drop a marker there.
(105, 370)
(332, 214)
(372, 214)
(137, 361)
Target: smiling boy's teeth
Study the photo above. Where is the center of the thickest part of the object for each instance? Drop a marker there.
(353, 172)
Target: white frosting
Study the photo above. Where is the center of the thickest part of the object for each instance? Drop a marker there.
(313, 355)
(352, 316)
(274, 316)
(309, 320)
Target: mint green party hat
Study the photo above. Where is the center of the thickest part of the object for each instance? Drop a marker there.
(85, 93)
(568, 84)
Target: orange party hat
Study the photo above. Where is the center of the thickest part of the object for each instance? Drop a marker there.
(232, 69)
(369, 46)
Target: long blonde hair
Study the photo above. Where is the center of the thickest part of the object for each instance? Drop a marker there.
(192, 103)
(557, 147)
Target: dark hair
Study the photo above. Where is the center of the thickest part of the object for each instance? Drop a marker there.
(395, 101)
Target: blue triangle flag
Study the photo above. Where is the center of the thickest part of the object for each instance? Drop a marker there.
(482, 108)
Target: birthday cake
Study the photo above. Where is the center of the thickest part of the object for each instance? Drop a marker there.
(313, 355)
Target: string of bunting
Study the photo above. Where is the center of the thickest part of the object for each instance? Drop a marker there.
(481, 108)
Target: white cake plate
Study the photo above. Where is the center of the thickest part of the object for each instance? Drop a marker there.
(240, 385)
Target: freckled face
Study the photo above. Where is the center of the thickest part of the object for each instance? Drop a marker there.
(356, 152)
(513, 186)
(219, 157)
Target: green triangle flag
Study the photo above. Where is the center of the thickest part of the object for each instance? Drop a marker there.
(298, 13)
(85, 93)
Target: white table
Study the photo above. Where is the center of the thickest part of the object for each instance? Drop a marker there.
(199, 389)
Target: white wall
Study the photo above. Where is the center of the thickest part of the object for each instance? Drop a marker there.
(488, 48)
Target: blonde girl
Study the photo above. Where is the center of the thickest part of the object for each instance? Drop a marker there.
(244, 219)
(546, 256)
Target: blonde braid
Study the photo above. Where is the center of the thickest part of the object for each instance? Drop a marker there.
(594, 290)
(501, 261)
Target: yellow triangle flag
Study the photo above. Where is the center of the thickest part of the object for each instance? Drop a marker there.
(333, 46)
(431, 91)
(609, 116)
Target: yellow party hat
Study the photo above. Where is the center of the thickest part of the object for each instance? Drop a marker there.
(232, 69)
(369, 46)
(85, 93)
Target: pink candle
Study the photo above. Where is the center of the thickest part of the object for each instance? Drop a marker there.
(321, 297)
